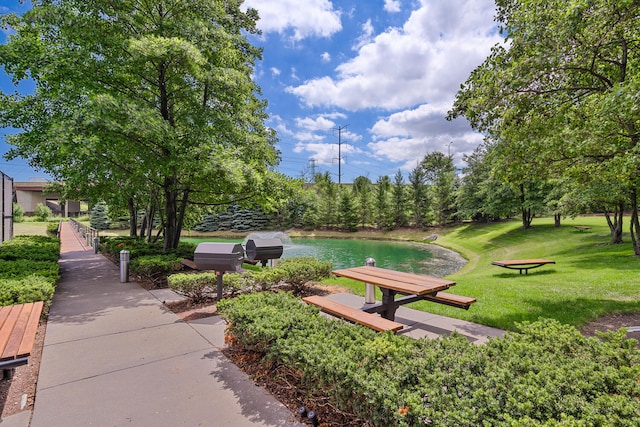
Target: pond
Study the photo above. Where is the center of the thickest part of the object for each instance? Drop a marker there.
(416, 258)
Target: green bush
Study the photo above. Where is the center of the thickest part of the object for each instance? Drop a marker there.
(195, 286)
(18, 213)
(42, 212)
(28, 289)
(35, 248)
(155, 265)
(53, 227)
(546, 374)
(298, 271)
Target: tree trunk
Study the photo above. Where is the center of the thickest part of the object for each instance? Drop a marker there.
(556, 219)
(171, 213)
(133, 218)
(635, 223)
(527, 216)
(615, 224)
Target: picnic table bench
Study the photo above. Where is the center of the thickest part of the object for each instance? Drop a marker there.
(18, 328)
(414, 287)
(523, 264)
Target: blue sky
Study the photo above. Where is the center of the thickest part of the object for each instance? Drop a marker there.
(385, 72)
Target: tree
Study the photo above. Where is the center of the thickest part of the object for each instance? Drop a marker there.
(99, 218)
(381, 203)
(148, 105)
(439, 172)
(399, 200)
(328, 200)
(362, 191)
(565, 86)
(348, 215)
(419, 195)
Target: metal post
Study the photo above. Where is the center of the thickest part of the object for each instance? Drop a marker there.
(219, 284)
(124, 266)
(95, 245)
(369, 289)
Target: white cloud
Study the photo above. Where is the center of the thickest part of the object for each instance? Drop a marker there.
(326, 154)
(365, 37)
(297, 18)
(392, 6)
(423, 62)
(326, 57)
(275, 71)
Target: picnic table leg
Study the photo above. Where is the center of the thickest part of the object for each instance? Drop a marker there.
(388, 301)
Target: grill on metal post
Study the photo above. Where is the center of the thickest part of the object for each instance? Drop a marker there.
(219, 257)
(264, 249)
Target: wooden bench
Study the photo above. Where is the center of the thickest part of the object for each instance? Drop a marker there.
(523, 264)
(451, 299)
(18, 328)
(355, 315)
(582, 228)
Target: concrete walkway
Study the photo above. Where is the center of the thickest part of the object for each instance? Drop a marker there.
(114, 355)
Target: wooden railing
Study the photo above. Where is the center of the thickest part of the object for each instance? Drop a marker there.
(86, 232)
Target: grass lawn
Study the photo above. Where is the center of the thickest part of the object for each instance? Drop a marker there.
(590, 277)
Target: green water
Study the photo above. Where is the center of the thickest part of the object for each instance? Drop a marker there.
(410, 257)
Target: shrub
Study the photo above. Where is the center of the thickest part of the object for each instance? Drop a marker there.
(18, 213)
(35, 248)
(42, 212)
(53, 228)
(99, 218)
(155, 267)
(298, 271)
(197, 287)
(28, 289)
(546, 374)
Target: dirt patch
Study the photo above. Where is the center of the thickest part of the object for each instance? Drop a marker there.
(613, 322)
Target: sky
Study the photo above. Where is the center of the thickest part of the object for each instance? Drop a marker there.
(355, 87)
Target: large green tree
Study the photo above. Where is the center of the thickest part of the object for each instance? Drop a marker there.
(565, 87)
(142, 100)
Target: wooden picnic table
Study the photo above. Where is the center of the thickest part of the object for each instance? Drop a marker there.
(415, 287)
(522, 264)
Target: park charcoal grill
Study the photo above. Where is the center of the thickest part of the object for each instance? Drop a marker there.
(219, 257)
(264, 249)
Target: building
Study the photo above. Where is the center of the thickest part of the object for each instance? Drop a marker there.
(29, 194)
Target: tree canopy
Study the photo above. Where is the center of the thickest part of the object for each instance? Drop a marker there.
(561, 97)
(143, 103)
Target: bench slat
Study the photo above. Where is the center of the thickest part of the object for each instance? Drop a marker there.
(29, 337)
(6, 330)
(451, 299)
(515, 262)
(416, 286)
(353, 314)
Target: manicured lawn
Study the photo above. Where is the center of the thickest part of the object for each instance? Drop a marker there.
(590, 277)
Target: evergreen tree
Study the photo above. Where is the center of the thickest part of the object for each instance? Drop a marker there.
(399, 201)
(99, 218)
(348, 214)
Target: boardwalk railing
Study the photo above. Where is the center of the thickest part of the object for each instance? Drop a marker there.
(86, 232)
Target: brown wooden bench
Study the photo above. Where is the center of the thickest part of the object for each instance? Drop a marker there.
(18, 328)
(523, 264)
(355, 315)
(459, 301)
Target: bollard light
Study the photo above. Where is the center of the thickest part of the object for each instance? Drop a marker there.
(311, 416)
(302, 411)
(124, 266)
(369, 289)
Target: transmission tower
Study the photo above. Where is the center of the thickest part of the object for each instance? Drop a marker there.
(340, 129)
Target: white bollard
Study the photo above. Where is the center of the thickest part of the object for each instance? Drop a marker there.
(369, 289)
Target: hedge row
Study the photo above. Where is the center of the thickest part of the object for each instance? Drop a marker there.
(294, 272)
(28, 269)
(546, 374)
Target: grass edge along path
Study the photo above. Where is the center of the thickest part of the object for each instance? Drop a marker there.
(590, 278)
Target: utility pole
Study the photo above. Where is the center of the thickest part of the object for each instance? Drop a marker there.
(340, 129)
(449, 148)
